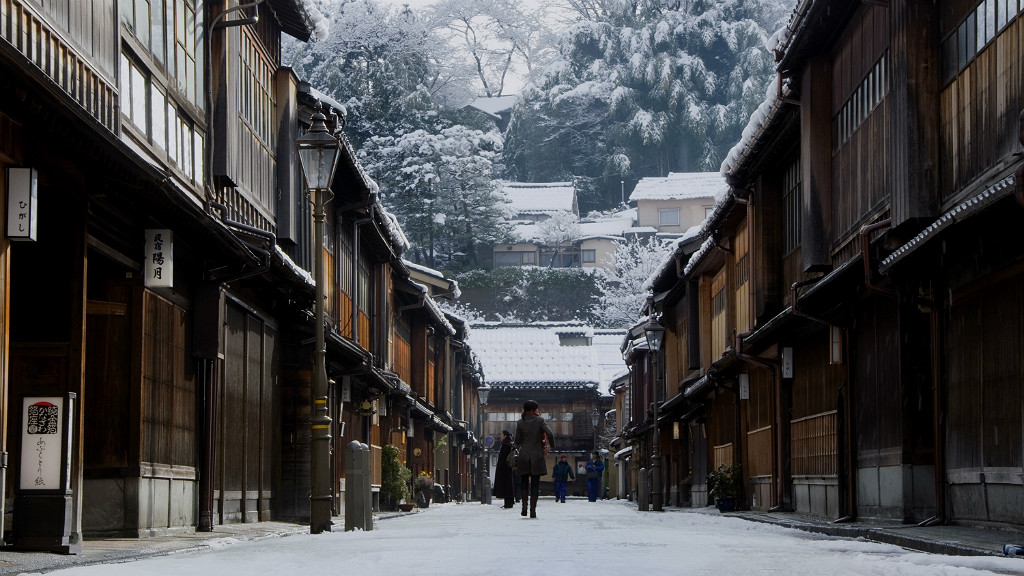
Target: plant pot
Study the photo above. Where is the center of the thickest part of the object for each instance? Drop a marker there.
(725, 504)
(406, 507)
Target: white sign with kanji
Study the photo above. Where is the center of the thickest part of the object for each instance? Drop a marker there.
(21, 204)
(42, 435)
(159, 258)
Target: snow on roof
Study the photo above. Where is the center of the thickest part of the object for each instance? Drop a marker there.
(615, 225)
(494, 104)
(434, 309)
(540, 198)
(424, 269)
(610, 364)
(529, 356)
(394, 229)
(295, 268)
(754, 129)
(456, 292)
(679, 186)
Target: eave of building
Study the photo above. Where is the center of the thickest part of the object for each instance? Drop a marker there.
(958, 213)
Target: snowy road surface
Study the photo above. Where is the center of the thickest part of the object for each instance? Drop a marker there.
(579, 537)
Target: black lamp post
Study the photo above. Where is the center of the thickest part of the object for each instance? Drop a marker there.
(655, 334)
(595, 417)
(318, 155)
(485, 488)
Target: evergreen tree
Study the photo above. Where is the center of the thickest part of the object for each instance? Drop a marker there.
(642, 88)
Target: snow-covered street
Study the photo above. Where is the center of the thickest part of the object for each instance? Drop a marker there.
(578, 537)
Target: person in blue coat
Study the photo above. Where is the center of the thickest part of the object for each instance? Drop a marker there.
(561, 474)
(594, 469)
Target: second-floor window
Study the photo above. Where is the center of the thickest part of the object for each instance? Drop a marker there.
(158, 119)
(167, 30)
(668, 217)
(975, 32)
(791, 202)
(589, 256)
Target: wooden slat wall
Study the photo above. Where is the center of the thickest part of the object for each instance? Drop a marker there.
(719, 323)
(169, 386)
(742, 275)
(878, 419)
(722, 455)
(979, 111)
(861, 162)
(814, 445)
(84, 72)
(375, 466)
(759, 421)
(759, 452)
(243, 479)
(364, 332)
(344, 315)
(330, 288)
(985, 398)
(403, 358)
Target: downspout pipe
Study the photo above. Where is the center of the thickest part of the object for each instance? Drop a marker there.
(1018, 176)
(796, 311)
(865, 254)
(264, 253)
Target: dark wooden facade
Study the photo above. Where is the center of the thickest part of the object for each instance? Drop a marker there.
(195, 398)
(877, 197)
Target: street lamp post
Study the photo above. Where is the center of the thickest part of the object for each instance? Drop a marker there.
(318, 153)
(485, 484)
(595, 417)
(655, 334)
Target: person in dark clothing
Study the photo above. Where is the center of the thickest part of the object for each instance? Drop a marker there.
(561, 474)
(594, 469)
(530, 435)
(503, 474)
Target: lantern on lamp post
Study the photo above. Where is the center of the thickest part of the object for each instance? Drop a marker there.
(318, 152)
(655, 334)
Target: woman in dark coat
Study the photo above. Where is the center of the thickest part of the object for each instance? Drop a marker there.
(503, 487)
(530, 435)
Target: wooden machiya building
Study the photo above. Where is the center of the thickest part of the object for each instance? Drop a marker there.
(849, 329)
(138, 292)
(157, 295)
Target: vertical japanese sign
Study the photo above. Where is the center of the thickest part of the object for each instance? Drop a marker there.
(21, 204)
(159, 258)
(42, 437)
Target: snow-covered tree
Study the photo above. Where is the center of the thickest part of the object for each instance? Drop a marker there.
(645, 87)
(558, 232)
(389, 67)
(622, 293)
(442, 190)
(497, 36)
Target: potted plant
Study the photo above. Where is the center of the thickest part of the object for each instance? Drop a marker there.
(423, 486)
(395, 476)
(725, 486)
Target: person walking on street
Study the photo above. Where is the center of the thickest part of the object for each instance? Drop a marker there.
(503, 474)
(530, 434)
(594, 468)
(561, 474)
